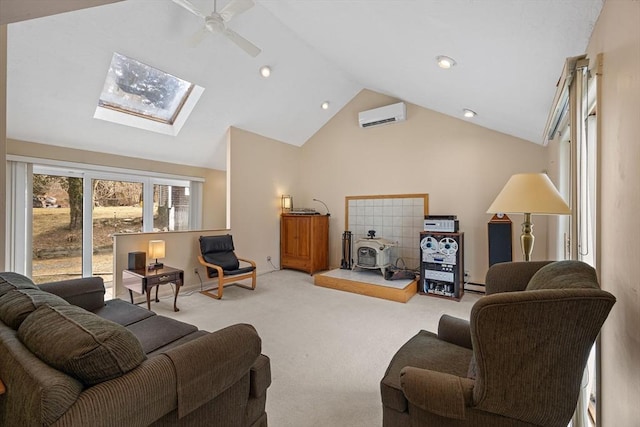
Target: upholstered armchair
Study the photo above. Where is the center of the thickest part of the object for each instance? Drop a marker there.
(218, 256)
(519, 361)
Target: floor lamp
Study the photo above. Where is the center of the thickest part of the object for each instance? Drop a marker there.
(529, 193)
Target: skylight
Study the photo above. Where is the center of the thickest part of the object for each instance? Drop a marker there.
(136, 94)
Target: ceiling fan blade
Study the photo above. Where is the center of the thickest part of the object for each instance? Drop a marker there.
(197, 37)
(243, 43)
(190, 7)
(235, 7)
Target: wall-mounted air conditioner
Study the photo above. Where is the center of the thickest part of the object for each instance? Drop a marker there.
(383, 115)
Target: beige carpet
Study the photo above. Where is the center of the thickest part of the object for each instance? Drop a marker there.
(328, 348)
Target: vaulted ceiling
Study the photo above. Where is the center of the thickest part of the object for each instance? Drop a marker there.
(509, 56)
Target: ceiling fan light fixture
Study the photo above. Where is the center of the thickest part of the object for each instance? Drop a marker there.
(445, 62)
(325, 105)
(469, 113)
(265, 71)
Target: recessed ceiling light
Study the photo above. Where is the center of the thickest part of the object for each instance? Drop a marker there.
(325, 105)
(469, 113)
(265, 71)
(445, 61)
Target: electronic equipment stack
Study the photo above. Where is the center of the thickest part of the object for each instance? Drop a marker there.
(442, 258)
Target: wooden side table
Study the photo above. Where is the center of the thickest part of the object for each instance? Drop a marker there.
(143, 281)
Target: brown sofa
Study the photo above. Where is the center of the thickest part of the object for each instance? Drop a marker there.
(68, 358)
(519, 361)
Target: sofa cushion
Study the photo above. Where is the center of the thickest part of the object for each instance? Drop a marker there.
(17, 304)
(81, 343)
(122, 312)
(157, 331)
(85, 292)
(10, 281)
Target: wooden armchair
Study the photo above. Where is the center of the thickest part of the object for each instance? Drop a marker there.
(217, 255)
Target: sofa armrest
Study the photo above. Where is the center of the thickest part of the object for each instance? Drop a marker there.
(140, 397)
(86, 292)
(454, 330)
(436, 392)
(511, 276)
(207, 366)
(260, 376)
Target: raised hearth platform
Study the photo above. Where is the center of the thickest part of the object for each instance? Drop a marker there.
(367, 282)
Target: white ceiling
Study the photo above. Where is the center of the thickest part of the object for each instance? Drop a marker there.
(509, 53)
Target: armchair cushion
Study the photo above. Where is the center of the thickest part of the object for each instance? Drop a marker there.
(80, 343)
(443, 357)
(17, 304)
(564, 275)
(218, 250)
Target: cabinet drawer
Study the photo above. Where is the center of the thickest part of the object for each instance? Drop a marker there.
(158, 280)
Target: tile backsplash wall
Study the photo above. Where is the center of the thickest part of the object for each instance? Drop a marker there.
(396, 218)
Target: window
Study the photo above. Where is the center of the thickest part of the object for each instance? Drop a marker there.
(136, 94)
(65, 215)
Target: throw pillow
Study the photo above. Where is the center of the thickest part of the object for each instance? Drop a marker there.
(568, 274)
(17, 304)
(80, 343)
(10, 281)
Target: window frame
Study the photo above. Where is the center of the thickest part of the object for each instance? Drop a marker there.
(18, 205)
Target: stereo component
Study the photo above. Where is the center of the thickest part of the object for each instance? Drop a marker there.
(500, 238)
(442, 223)
(137, 260)
(442, 264)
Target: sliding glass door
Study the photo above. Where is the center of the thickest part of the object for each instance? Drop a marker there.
(56, 227)
(63, 216)
(116, 208)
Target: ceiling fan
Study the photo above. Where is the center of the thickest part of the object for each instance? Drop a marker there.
(216, 23)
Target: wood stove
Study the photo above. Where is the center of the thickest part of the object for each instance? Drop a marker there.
(373, 252)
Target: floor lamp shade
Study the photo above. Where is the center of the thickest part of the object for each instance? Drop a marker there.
(529, 193)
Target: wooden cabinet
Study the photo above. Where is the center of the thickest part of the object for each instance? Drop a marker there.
(304, 242)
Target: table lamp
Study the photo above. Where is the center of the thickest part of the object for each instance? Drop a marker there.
(529, 193)
(287, 203)
(156, 250)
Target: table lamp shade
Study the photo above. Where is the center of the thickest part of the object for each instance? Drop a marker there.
(532, 193)
(286, 202)
(156, 249)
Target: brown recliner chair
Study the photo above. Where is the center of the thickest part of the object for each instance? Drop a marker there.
(518, 362)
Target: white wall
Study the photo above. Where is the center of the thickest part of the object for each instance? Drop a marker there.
(460, 165)
(261, 170)
(617, 36)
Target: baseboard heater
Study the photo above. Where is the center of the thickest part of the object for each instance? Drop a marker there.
(474, 287)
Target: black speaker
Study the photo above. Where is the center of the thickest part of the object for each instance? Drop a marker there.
(137, 260)
(499, 239)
